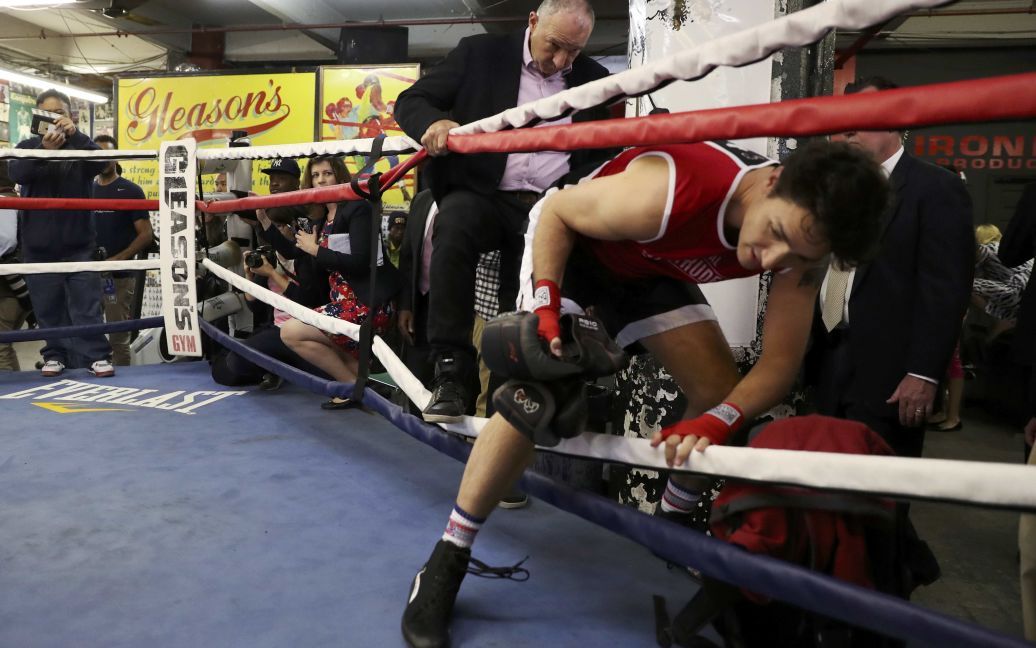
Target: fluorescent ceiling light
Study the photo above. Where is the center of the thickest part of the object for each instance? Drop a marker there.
(46, 84)
(5, 4)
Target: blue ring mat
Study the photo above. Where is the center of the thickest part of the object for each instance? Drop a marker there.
(262, 520)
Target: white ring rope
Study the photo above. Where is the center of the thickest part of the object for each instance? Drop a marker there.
(794, 30)
(390, 146)
(77, 154)
(973, 482)
(400, 145)
(78, 266)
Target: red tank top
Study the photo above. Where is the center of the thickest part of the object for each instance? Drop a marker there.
(690, 244)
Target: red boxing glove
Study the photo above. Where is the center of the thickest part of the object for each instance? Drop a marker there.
(546, 304)
(715, 425)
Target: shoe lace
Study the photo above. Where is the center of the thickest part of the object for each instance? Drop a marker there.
(514, 572)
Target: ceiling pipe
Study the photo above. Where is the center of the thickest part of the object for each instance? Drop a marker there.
(414, 22)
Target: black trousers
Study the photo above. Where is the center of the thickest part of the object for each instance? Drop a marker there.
(467, 225)
(417, 356)
(831, 397)
(232, 370)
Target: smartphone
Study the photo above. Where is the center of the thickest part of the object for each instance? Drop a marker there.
(44, 122)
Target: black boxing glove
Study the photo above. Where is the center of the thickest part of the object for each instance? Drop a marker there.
(512, 348)
(585, 342)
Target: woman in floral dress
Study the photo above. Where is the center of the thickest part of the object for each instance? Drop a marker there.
(340, 242)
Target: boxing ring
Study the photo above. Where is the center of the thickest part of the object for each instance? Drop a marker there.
(154, 509)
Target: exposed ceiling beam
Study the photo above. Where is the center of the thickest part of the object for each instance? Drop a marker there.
(415, 22)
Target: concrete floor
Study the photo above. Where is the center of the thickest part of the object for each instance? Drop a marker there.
(977, 549)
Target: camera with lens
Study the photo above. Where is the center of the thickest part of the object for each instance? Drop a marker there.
(254, 259)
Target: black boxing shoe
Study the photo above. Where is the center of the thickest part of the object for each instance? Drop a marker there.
(449, 401)
(426, 619)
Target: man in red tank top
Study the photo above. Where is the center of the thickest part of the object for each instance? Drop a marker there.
(633, 241)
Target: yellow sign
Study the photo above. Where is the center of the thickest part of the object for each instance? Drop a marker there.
(358, 102)
(271, 108)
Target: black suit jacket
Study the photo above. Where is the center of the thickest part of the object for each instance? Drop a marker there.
(355, 220)
(906, 306)
(480, 78)
(1017, 247)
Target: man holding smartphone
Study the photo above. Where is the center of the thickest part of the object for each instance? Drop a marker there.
(48, 236)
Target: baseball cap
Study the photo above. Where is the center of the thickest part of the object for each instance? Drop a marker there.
(284, 165)
(397, 218)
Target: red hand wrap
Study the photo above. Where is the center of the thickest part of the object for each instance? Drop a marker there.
(547, 305)
(715, 425)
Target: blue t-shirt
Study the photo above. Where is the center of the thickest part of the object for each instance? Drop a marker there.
(116, 229)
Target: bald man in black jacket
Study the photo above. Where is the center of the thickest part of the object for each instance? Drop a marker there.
(484, 199)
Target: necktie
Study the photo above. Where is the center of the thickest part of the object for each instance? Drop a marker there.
(834, 298)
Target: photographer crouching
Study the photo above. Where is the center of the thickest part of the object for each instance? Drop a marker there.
(299, 279)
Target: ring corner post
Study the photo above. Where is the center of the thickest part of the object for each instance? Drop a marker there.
(177, 165)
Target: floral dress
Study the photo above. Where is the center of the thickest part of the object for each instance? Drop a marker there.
(345, 305)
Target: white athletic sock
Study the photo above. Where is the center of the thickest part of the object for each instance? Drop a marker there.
(676, 499)
(462, 527)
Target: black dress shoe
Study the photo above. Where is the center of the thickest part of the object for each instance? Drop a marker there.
(426, 619)
(449, 401)
(270, 382)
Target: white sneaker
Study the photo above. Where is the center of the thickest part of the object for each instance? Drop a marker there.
(52, 368)
(102, 369)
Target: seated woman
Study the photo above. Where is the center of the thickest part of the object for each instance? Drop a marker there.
(340, 243)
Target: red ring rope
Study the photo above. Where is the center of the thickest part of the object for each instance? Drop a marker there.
(980, 100)
(333, 193)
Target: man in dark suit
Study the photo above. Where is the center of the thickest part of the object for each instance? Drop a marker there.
(413, 296)
(484, 199)
(1017, 247)
(884, 334)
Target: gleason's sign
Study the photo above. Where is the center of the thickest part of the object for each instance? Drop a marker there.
(153, 115)
(271, 108)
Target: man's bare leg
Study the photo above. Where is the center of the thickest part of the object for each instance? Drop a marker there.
(500, 455)
(698, 357)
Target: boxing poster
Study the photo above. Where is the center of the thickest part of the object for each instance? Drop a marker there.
(358, 102)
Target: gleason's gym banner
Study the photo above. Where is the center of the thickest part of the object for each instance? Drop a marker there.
(359, 102)
(271, 108)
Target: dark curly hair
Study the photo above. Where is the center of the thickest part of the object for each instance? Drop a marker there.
(846, 193)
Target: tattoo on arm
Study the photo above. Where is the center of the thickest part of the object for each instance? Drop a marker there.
(813, 277)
